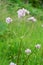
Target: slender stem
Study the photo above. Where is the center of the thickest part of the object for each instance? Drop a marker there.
(26, 59)
(31, 30)
(31, 53)
(19, 52)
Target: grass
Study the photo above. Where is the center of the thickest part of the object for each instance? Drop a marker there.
(10, 36)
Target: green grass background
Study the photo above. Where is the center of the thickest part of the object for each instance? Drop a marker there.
(10, 35)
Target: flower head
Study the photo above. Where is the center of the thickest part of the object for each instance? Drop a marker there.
(38, 46)
(22, 12)
(12, 63)
(32, 19)
(8, 20)
(27, 51)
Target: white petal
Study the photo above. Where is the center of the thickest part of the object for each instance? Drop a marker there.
(32, 19)
(38, 46)
(27, 51)
(12, 63)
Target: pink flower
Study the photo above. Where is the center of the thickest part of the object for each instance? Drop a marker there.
(8, 20)
(22, 12)
(27, 51)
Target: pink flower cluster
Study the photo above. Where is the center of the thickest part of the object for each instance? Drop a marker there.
(22, 12)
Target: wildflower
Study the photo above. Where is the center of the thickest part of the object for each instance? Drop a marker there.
(27, 51)
(32, 19)
(22, 12)
(8, 20)
(38, 46)
(12, 63)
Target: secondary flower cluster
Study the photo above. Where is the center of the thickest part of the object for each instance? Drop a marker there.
(28, 51)
(21, 13)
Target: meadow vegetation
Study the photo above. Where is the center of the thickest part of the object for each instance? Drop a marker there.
(20, 36)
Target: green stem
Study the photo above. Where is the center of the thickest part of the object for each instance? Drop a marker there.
(19, 52)
(26, 59)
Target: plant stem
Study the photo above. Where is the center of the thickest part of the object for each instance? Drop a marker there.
(26, 59)
(19, 52)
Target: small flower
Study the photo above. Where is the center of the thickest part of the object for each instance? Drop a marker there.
(8, 20)
(12, 63)
(32, 19)
(38, 46)
(27, 51)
